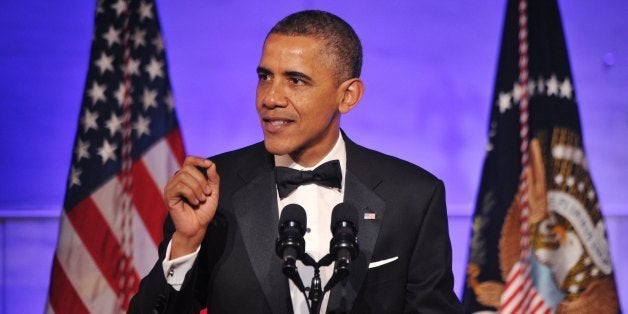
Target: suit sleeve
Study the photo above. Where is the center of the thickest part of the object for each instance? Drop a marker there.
(155, 295)
(430, 279)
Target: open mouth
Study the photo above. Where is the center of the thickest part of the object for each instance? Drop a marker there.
(276, 124)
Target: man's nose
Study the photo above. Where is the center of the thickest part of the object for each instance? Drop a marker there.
(275, 96)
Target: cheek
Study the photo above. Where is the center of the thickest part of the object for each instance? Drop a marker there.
(322, 110)
(259, 95)
(316, 120)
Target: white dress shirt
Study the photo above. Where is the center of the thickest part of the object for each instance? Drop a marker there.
(318, 202)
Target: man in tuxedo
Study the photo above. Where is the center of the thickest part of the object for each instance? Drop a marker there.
(219, 238)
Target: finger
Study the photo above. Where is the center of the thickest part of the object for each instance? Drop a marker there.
(196, 173)
(194, 184)
(182, 188)
(201, 164)
(196, 161)
(178, 192)
(213, 178)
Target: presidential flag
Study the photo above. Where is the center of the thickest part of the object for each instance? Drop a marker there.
(539, 243)
(127, 144)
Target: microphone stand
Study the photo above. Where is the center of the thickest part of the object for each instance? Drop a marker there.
(316, 293)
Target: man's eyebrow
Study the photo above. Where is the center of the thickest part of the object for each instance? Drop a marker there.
(262, 70)
(297, 74)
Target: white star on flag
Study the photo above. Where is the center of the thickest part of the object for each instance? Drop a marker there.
(112, 36)
(531, 88)
(97, 92)
(139, 38)
(114, 124)
(489, 146)
(158, 42)
(82, 150)
(119, 94)
(145, 11)
(169, 101)
(104, 63)
(566, 89)
(107, 151)
(89, 121)
(552, 86)
(119, 7)
(149, 99)
(517, 91)
(133, 67)
(504, 102)
(154, 69)
(75, 176)
(540, 85)
(99, 8)
(141, 126)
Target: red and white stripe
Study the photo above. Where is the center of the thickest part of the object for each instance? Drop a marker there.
(85, 271)
(520, 295)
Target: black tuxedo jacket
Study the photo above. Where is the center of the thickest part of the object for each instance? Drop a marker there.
(237, 270)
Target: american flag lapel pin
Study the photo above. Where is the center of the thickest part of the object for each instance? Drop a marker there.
(369, 215)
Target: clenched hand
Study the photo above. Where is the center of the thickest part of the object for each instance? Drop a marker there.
(192, 199)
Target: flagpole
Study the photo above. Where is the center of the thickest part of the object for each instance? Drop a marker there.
(520, 295)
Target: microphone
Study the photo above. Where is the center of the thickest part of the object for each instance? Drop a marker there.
(290, 245)
(343, 246)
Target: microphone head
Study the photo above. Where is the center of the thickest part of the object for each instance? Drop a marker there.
(344, 212)
(295, 213)
(290, 244)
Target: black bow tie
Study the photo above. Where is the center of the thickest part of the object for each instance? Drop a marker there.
(327, 174)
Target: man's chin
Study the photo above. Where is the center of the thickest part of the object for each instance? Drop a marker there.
(276, 148)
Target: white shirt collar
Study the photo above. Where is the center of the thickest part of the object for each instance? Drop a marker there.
(339, 152)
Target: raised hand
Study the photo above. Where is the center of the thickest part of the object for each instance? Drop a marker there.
(192, 198)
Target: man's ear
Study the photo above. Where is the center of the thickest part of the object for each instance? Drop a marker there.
(351, 92)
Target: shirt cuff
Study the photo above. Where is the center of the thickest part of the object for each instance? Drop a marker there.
(175, 270)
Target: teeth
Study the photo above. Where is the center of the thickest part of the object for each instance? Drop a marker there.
(279, 122)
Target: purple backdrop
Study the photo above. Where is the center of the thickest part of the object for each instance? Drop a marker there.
(428, 67)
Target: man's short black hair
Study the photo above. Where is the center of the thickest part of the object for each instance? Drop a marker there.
(342, 41)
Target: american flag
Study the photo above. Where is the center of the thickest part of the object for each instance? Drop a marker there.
(127, 145)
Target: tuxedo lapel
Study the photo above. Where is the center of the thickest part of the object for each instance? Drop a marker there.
(360, 185)
(255, 209)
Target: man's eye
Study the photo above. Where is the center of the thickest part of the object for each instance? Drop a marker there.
(263, 77)
(296, 81)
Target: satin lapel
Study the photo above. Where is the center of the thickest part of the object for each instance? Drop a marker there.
(255, 208)
(361, 183)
